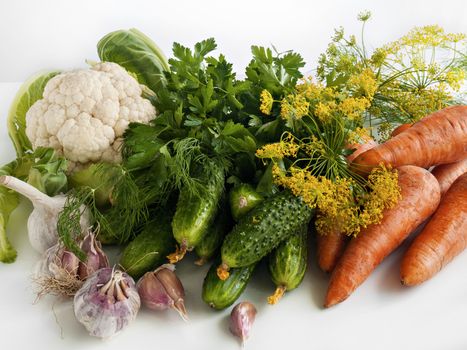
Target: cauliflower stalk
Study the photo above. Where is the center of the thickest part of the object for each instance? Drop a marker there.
(84, 113)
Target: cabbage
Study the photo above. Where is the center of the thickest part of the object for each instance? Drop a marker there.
(138, 54)
(27, 95)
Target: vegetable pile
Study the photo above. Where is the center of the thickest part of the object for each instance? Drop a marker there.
(172, 157)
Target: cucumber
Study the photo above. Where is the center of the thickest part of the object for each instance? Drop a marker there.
(212, 241)
(242, 199)
(195, 214)
(287, 263)
(150, 248)
(220, 294)
(262, 230)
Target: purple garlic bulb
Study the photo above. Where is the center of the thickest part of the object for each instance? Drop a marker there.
(241, 320)
(161, 289)
(107, 302)
(95, 256)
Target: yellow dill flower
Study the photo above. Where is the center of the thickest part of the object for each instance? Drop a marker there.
(364, 84)
(336, 206)
(313, 146)
(309, 89)
(455, 78)
(384, 194)
(300, 182)
(294, 106)
(266, 102)
(271, 150)
(286, 108)
(286, 147)
(300, 106)
(358, 135)
(353, 108)
(323, 111)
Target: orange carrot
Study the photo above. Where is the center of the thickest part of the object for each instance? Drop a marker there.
(420, 197)
(329, 249)
(331, 246)
(438, 138)
(401, 128)
(360, 148)
(446, 174)
(441, 240)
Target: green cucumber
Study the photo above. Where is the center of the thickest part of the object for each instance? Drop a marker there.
(287, 263)
(212, 241)
(242, 199)
(262, 230)
(220, 294)
(150, 248)
(195, 213)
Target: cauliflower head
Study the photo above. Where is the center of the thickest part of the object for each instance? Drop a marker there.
(84, 113)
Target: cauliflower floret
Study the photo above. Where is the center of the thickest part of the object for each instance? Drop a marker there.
(84, 113)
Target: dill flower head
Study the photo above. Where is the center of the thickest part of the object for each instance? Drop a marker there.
(353, 108)
(364, 84)
(286, 147)
(384, 193)
(266, 102)
(294, 106)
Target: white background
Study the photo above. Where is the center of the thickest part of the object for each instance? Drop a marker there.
(61, 34)
(381, 314)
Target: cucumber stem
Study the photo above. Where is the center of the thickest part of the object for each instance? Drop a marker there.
(223, 271)
(178, 255)
(279, 292)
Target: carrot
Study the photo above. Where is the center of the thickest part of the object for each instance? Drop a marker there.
(420, 197)
(446, 174)
(360, 148)
(330, 248)
(442, 239)
(438, 138)
(401, 128)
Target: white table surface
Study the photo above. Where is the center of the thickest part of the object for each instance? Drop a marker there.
(381, 314)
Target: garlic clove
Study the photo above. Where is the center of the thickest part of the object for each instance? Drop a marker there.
(162, 289)
(95, 256)
(152, 292)
(242, 318)
(69, 262)
(107, 302)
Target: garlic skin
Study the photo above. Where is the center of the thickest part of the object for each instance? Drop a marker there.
(107, 302)
(42, 222)
(60, 272)
(242, 318)
(95, 256)
(162, 289)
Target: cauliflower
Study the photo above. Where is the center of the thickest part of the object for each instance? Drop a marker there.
(84, 113)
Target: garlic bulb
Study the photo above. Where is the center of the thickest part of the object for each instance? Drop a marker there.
(161, 289)
(107, 302)
(241, 320)
(61, 273)
(42, 222)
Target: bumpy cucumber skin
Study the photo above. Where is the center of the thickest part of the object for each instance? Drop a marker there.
(242, 199)
(264, 228)
(212, 240)
(150, 248)
(288, 262)
(220, 294)
(195, 214)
